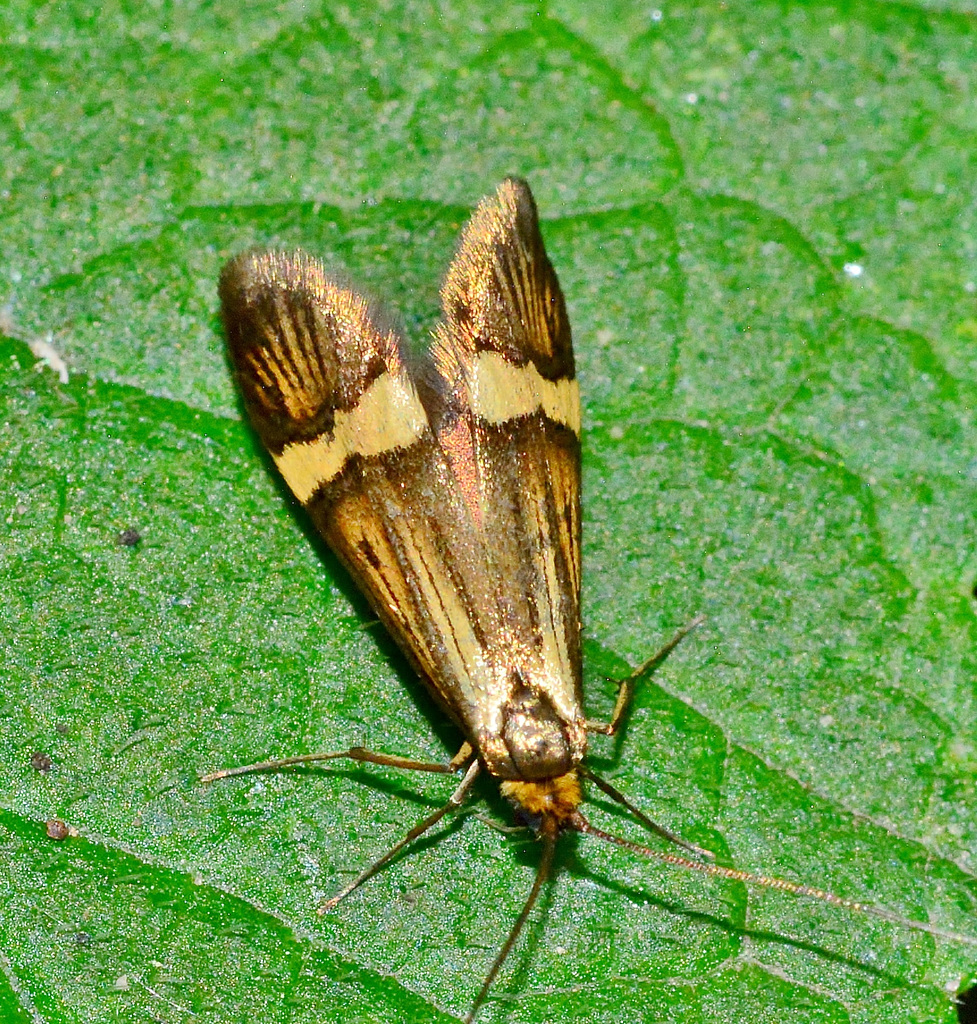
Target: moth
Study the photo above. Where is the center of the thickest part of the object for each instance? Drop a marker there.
(448, 484)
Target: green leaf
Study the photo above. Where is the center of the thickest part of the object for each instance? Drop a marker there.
(762, 216)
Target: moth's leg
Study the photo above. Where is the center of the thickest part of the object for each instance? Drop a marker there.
(626, 691)
(506, 830)
(624, 695)
(456, 800)
(353, 754)
(649, 823)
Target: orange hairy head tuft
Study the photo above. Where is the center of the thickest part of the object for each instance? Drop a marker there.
(554, 799)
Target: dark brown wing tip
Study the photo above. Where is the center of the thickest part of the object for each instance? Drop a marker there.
(501, 291)
(519, 189)
(511, 208)
(303, 346)
(258, 268)
(517, 192)
(270, 302)
(250, 282)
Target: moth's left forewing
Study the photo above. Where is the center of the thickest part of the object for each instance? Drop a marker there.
(327, 388)
(323, 380)
(509, 424)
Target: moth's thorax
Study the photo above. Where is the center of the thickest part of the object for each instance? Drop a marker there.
(536, 732)
(544, 801)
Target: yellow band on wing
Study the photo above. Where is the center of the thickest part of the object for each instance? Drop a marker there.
(503, 391)
(388, 416)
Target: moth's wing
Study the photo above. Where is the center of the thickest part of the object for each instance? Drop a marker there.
(327, 389)
(507, 417)
(451, 491)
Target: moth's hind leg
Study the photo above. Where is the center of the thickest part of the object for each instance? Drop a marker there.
(353, 754)
(456, 799)
(626, 691)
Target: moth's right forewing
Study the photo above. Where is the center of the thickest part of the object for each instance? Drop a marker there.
(510, 426)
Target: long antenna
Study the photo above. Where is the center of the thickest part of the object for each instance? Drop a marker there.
(542, 873)
(579, 823)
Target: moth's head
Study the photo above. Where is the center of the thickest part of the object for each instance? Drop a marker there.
(545, 805)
